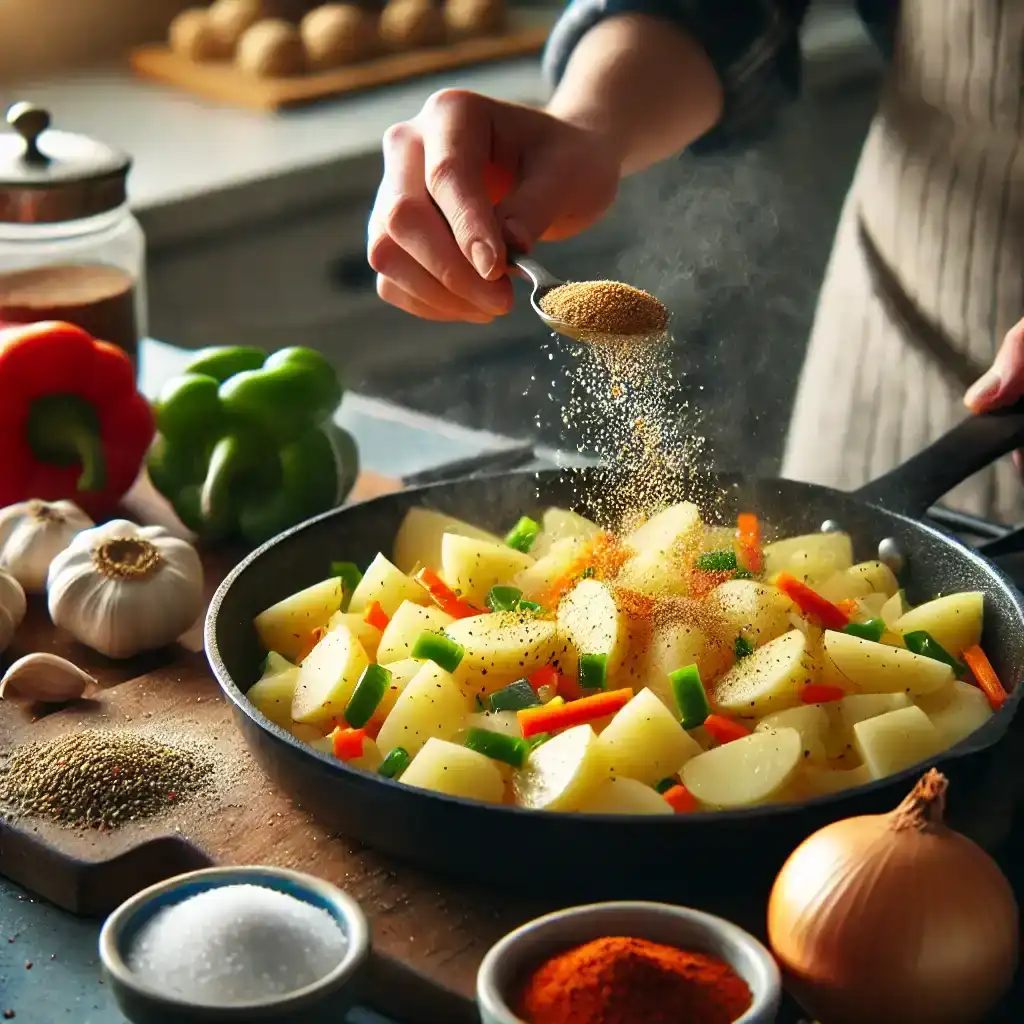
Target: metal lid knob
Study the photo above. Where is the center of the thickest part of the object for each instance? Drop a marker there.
(30, 121)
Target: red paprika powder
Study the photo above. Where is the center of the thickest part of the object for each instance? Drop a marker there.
(619, 980)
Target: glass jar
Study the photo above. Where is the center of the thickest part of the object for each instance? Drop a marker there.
(70, 248)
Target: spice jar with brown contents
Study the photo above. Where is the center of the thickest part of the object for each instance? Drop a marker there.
(70, 248)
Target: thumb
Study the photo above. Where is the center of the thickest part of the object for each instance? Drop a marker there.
(1004, 382)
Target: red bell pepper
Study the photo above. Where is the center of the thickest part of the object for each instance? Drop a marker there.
(443, 596)
(811, 603)
(72, 421)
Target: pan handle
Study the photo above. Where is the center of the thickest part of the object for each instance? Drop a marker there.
(969, 447)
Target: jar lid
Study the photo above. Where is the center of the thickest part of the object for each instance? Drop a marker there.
(49, 176)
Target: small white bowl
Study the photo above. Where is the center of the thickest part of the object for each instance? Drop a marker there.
(507, 963)
(325, 1000)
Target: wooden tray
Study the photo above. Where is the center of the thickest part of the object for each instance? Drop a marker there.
(224, 83)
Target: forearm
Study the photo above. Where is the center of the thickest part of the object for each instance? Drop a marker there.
(642, 82)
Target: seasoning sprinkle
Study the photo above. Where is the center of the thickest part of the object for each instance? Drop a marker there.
(605, 307)
(100, 779)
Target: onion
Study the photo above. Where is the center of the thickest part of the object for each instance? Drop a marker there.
(895, 918)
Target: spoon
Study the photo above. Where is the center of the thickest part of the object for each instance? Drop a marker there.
(543, 281)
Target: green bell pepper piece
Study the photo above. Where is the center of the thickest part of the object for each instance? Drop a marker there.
(246, 443)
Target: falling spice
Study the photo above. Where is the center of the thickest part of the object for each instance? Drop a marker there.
(618, 980)
(100, 779)
(605, 308)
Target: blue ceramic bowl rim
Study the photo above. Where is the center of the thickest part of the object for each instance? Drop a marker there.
(767, 991)
(126, 920)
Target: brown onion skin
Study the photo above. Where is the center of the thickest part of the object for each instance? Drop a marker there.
(947, 962)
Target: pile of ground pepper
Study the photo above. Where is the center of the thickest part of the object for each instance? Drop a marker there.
(100, 779)
(605, 307)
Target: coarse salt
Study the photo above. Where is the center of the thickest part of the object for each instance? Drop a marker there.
(236, 944)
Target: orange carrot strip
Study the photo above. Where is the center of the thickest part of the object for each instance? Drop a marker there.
(348, 743)
(376, 616)
(811, 603)
(985, 674)
(748, 542)
(724, 730)
(443, 596)
(311, 641)
(534, 721)
(680, 799)
(821, 693)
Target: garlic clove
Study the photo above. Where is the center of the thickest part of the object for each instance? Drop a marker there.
(32, 533)
(47, 678)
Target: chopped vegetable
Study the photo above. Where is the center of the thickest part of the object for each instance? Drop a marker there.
(439, 649)
(376, 617)
(703, 581)
(499, 747)
(504, 599)
(523, 534)
(742, 647)
(369, 692)
(587, 573)
(716, 561)
(742, 574)
(691, 698)
(724, 730)
(870, 630)
(514, 697)
(311, 641)
(348, 743)
(665, 785)
(529, 606)
(547, 675)
(848, 606)
(986, 676)
(443, 596)
(821, 693)
(920, 641)
(350, 576)
(593, 671)
(395, 763)
(680, 799)
(811, 603)
(749, 552)
(551, 717)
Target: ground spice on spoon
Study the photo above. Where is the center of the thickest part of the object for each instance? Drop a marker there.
(605, 308)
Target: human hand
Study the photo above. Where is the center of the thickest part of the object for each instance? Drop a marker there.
(1003, 383)
(448, 207)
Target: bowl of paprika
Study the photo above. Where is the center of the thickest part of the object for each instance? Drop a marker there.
(628, 963)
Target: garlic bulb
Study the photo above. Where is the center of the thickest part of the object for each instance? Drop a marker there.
(12, 608)
(46, 678)
(32, 532)
(122, 589)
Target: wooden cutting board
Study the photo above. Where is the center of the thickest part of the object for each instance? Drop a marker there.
(223, 82)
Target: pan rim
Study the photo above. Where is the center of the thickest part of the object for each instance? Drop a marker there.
(233, 692)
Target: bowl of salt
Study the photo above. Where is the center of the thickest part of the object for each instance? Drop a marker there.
(227, 945)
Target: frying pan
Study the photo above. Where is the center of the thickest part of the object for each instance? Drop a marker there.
(611, 856)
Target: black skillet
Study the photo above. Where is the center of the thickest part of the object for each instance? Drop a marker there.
(571, 856)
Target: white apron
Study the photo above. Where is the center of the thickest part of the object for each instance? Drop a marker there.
(938, 197)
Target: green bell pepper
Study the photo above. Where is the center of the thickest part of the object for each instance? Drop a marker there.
(246, 443)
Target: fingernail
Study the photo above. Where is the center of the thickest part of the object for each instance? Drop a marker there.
(517, 234)
(983, 391)
(483, 258)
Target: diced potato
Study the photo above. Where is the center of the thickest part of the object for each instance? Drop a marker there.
(275, 664)
(286, 627)
(418, 541)
(955, 621)
(893, 609)
(844, 714)
(404, 630)
(863, 665)
(877, 575)
(644, 741)
(448, 768)
(759, 612)
(590, 620)
(957, 711)
(560, 524)
(369, 636)
(813, 557)
(536, 581)
(818, 781)
(859, 581)
(675, 645)
(505, 722)
(561, 774)
(622, 795)
(718, 538)
(328, 676)
(657, 567)
(471, 566)
(306, 733)
(402, 673)
(388, 586)
(747, 771)
(430, 705)
(768, 680)
(896, 740)
(272, 695)
(810, 720)
(501, 647)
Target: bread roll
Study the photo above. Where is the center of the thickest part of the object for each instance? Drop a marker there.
(271, 48)
(338, 34)
(229, 19)
(191, 35)
(412, 24)
(466, 18)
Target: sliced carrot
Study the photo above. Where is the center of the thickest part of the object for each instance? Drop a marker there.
(724, 730)
(680, 799)
(376, 616)
(544, 676)
(551, 717)
(601, 559)
(443, 596)
(811, 603)
(749, 553)
(985, 674)
(311, 641)
(821, 693)
(348, 743)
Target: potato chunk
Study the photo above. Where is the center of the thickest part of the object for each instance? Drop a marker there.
(430, 705)
(561, 774)
(844, 714)
(404, 629)
(813, 557)
(621, 795)
(590, 619)
(537, 581)
(810, 720)
(471, 566)
(956, 712)
(501, 647)
(758, 611)
(954, 621)
(369, 636)
(675, 645)
(448, 768)
(657, 566)
(418, 541)
(768, 680)
(328, 676)
(896, 740)
(560, 524)
(272, 694)
(878, 668)
(388, 586)
(286, 627)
